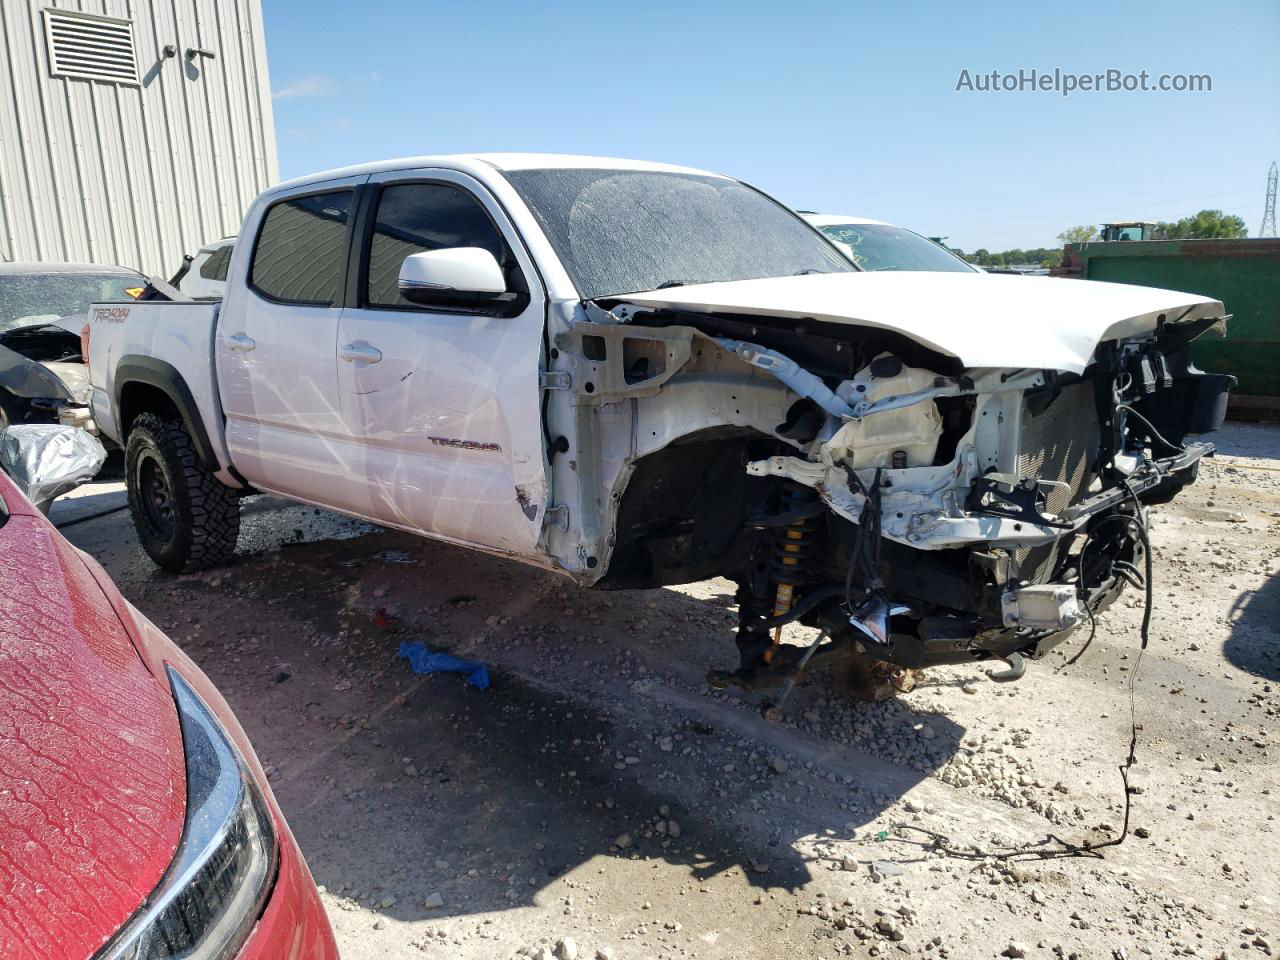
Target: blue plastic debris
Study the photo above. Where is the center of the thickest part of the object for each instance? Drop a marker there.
(422, 660)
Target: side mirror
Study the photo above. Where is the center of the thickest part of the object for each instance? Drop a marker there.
(46, 460)
(458, 278)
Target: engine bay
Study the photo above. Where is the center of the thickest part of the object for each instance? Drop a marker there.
(914, 512)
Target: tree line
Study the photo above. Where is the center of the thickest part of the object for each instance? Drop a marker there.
(1205, 225)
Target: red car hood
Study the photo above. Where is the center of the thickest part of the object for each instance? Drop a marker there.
(92, 778)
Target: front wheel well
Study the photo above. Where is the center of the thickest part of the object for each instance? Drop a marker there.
(682, 516)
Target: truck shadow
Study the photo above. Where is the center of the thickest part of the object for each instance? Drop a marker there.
(1254, 642)
(595, 736)
(506, 803)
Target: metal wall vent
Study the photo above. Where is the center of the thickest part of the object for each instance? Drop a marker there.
(90, 47)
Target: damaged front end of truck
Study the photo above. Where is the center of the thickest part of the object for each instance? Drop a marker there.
(967, 490)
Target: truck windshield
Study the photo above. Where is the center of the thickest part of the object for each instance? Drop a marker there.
(31, 299)
(881, 246)
(624, 231)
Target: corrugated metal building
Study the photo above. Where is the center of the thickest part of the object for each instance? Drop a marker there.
(131, 131)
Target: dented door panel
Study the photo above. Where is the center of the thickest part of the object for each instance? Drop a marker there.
(441, 408)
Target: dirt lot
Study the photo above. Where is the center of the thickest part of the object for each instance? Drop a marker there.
(599, 800)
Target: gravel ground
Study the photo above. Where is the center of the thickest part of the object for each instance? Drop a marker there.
(599, 801)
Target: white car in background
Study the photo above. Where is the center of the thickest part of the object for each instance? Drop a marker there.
(876, 245)
(203, 276)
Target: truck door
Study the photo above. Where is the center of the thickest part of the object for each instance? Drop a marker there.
(277, 373)
(441, 406)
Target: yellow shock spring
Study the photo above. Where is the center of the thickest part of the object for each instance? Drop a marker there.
(791, 549)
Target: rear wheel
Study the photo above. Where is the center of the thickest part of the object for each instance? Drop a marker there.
(185, 517)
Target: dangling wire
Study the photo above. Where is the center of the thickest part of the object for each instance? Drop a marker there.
(1082, 590)
(1155, 434)
(1062, 848)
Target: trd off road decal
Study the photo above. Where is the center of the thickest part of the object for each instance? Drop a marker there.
(466, 444)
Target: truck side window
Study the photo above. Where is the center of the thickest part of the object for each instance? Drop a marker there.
(299, 255)
(413, 217)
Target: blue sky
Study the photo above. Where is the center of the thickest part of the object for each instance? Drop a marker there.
(846, 107)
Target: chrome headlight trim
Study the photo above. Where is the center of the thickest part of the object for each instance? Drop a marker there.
(214, 891)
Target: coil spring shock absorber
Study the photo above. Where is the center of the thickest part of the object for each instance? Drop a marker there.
(792, 549)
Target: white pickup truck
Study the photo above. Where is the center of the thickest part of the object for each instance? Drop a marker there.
(639, 374)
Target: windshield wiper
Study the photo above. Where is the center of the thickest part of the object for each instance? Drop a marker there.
(668, 284)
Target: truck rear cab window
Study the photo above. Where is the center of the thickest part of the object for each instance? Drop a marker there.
(299, 254)
(414, 217)
(215, 267)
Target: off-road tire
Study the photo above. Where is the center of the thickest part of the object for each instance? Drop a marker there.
(185, 517)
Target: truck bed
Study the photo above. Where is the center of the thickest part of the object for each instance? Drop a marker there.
(163, 342)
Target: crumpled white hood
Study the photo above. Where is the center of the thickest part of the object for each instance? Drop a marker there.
(985, 320)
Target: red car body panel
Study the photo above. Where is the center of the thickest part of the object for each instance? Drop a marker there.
(294, 925)
(92, 778)
(92, 772)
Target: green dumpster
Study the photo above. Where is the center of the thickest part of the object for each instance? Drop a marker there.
(1243, 274)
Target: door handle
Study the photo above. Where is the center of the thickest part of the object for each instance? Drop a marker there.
(238, 341)
(360, 353)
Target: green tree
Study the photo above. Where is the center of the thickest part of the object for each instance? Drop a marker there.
(1205, 225)
(1043, 256)
(1081, 234)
